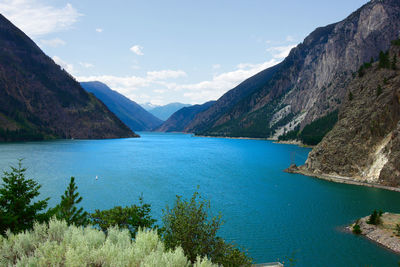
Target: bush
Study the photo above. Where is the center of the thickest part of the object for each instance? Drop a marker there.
(131, 218)
(189, 226)
(58, 244)
(398, 229)
(356, 228)
(375, 218)
(379, 91)
(18, 211)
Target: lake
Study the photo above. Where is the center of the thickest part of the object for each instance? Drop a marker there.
(271, 213)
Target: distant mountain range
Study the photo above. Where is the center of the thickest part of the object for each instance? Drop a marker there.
(39, 100)
(178, 121)
(164, 112)
(309, 84)
(132, 114)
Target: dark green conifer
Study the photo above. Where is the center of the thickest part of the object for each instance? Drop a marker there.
(67, 209)
(17, 209)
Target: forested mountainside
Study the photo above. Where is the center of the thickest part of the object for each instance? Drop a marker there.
(128, 111)
(180, 119)
(309, 84)
(364, 145)
(39, 100)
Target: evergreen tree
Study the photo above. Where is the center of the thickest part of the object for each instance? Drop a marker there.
(17, 209)
(394, 62)
(384, 61)
(67, 209)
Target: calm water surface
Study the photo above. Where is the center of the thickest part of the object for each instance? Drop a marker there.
(271, 213)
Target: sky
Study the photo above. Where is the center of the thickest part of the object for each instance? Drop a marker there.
(171, 50)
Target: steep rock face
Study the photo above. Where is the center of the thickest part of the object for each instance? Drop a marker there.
(132, 114)
(38, 100)
(365, 143)
(311, 82)
(178, 121)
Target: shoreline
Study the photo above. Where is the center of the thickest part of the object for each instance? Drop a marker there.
(229, 137)
(382, 234)
(339, 179)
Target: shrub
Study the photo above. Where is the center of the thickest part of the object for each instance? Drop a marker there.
(398, 229)
(189, 226)
(351, 96)
(18, 211)
(379, 91)
(356, 228)
(58, 244)
(131, 218)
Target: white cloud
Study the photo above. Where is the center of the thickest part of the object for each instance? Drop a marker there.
(156, 88)
(53, 42)
(99, 30)
(165, 74)
(64, 65)
(86, 65)
(36, 18)
(280, 52)
(137, 49)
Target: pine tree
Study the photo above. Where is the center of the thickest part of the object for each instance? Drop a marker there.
(67, 209)
(17, 209)
(394, 62)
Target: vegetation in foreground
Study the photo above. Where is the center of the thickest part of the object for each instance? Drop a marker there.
(64, 235)
(57, 244)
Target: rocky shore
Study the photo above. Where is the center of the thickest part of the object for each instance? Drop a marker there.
(336, 178)
(384, 234)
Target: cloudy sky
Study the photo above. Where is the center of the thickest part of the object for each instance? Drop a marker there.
(171, 51)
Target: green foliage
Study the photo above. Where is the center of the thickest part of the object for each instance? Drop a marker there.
(379, 90)
(394, 62)
(384, 61)
(356, 228)
(367, 65)
(313, 133)
(350, 96)
(398, 229)
(67, 209)
(131, 218)
(58, 244)
(375, 218)
(18, 211)
(396, 42)
(189, 226)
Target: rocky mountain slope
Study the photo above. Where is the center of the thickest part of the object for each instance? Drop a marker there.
(310, 83)
(39, 100)
(364, 145)
(165, 111)
(178, 121)
(128, 111)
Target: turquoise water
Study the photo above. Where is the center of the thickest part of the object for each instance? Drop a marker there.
(271, 213)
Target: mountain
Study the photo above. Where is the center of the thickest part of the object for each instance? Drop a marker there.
(132, 114)
(164, 112)
(309, 84)
(178, 121)
(39, 100)
(364, 145)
